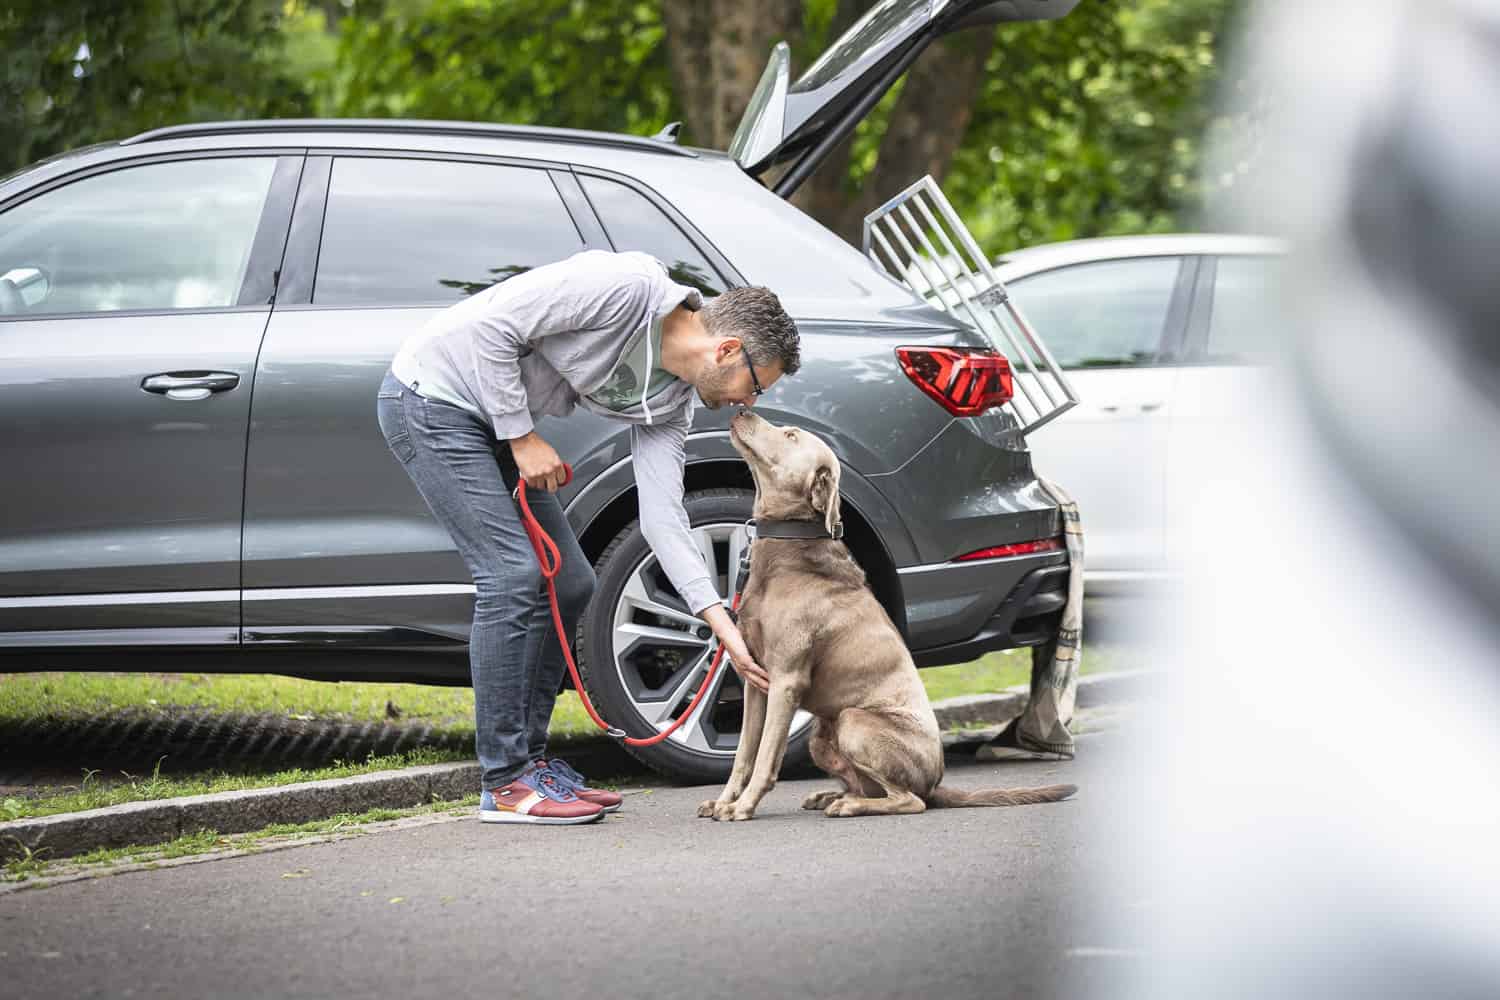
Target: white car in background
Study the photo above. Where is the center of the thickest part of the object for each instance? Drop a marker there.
(1157, 334)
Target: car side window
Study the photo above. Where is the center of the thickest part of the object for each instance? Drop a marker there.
(1108, 313)
(417, 231)
(633, 223)
(159, 236)
(1245, 302)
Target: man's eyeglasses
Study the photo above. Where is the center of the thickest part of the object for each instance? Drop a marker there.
(753, 379)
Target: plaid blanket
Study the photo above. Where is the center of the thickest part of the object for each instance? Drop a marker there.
(1043, 726)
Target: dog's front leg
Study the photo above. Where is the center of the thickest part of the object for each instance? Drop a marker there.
(781, 704)
(753, 720)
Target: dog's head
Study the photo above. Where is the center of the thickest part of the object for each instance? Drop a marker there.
(796, 473)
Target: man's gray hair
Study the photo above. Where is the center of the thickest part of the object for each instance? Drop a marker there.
(754, 315)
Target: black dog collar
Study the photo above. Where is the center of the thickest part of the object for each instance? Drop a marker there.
(794, 529)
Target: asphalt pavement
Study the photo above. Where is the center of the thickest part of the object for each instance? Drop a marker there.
(651, 902)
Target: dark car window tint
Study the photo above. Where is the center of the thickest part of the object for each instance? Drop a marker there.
(633, 223)
(1244, 303)
(1108, 313)
(402, 232)
(158, 236)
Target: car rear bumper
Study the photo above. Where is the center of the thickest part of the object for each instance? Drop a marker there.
(959, 611)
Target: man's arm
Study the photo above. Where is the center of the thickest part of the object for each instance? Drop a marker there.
(659, 459)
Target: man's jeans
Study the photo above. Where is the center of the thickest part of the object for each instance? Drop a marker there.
(516, 665)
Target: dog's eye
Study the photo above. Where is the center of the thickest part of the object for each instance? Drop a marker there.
(792, 435)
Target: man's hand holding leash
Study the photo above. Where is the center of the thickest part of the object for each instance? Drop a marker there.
(538, 462)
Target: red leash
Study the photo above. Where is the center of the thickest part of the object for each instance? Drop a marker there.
(550, 560)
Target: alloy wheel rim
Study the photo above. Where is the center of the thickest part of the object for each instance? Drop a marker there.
(661, 650)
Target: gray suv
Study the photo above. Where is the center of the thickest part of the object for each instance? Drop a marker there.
(194, 322)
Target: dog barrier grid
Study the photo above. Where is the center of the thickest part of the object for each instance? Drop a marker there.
(903, 237)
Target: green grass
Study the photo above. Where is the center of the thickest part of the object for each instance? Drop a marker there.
(94, 794)
(64, 695)
(33, 865)
(56, 696)
(997, 671)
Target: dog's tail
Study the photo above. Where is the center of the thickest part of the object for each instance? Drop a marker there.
(950, 798)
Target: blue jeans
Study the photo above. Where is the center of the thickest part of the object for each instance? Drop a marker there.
(465, 474)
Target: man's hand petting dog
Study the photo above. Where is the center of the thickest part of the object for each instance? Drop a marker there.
(751, 673)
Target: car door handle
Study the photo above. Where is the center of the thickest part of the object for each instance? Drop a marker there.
(190, 385)
(1150, 407)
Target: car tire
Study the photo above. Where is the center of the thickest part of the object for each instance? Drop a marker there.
(632, 665)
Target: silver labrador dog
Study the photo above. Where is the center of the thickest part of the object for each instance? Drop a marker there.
(813, 623)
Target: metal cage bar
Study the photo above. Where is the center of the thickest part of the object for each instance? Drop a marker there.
(959, 280)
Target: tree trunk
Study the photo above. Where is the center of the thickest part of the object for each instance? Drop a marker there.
(717, 50)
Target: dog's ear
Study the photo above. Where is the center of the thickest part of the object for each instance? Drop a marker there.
(825, 495)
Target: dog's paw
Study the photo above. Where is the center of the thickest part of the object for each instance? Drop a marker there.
(821, 800)
(720, 811)
(841, 807)
(706, 808)
(741, 814)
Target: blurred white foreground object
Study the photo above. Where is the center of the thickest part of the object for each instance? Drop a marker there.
(1329, 810)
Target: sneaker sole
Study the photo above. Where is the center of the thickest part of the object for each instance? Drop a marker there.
(497, 816)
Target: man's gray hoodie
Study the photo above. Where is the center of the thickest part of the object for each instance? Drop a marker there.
(540, 343)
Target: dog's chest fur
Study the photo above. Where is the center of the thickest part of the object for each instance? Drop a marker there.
(780, 570)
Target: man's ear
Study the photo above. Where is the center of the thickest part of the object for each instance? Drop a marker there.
(825, 495)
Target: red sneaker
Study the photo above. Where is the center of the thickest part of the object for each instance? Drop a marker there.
(536, 796)
(576, 783)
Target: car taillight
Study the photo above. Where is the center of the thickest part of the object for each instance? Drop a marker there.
(965, 380)
(1017, 549)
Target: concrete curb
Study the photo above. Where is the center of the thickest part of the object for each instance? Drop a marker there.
(971, 709)
(1002, 706)
(67, 834)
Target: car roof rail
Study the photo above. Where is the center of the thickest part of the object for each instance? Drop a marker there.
(484, 130)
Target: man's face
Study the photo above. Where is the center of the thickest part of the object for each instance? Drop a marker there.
(728, 379)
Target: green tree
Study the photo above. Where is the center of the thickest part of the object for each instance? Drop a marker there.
(84, 71)
(1084, 126)
(1093, 125)
(1038, 131)
(598, 64)
(1041, 131)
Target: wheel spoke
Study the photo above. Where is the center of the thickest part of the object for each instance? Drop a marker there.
(681, 684)
(638, 597)
(691, 731)
(800, 719)
(632, 633)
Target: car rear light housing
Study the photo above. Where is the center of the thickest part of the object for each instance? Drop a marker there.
(965, 381)
(1015, 549)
